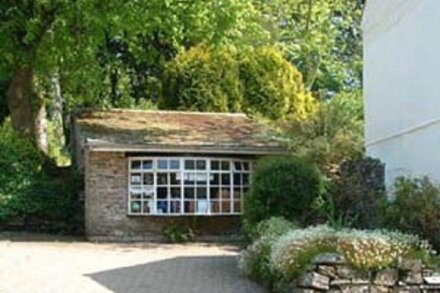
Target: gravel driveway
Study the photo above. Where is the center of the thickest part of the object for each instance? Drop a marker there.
(41, 265)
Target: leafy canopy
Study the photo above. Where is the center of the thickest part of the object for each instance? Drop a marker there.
(226, 79)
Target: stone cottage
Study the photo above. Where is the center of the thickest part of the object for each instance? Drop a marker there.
(144, 170)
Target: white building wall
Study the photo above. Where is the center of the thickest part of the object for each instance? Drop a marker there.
(402, 87)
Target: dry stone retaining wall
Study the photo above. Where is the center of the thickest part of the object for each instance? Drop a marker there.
(330, 273)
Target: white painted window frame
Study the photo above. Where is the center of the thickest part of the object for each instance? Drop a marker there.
(182, 171)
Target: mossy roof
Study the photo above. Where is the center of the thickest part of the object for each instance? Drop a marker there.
(166, 130)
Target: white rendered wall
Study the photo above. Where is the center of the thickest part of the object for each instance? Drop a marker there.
(402, 91)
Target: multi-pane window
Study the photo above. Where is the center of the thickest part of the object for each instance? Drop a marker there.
(187, 186)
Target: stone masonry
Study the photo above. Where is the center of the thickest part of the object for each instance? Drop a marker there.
(106, 206)
(330, 273)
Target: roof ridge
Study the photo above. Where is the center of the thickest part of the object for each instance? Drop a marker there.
(233, 114)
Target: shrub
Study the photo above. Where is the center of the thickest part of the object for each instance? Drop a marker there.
(281, 186)
(363, 250)
(355, 195)
(30, 193)
(378, 249)
(415, 208)
(295, 250)
(224, 79)
(176, 233)
(332, 134)
(272, 227)
(254, 260)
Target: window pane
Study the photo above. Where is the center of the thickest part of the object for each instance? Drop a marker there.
(201, 165)
(135, 165)
(237, 206)
(189, 192)
(135, 178)
(245, 179)
(226, 179)
(245, 165)
(214, 179)
(189, 179)
(135, 194)
(245, 189)
(189, 207)
(148, 192)
(175, 207)
(237, 193)
(162, 192)
(147, 164)
(215, 207)
(202, 206)
(226, 193)
(237, 179)
(215, 193)
(202, 192)
(225, 165)
(189, 165)
(147, 207)
(162, 178)
(202, 178)
(175, 192)
(162, 164)
(148, 178)
(226, 206)
(162, 207)
(135, 207)
(174, 164)
(175, 178)
(237, 166)
(215, 165)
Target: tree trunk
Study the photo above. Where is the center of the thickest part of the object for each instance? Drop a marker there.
(28, 111)
(56, 113)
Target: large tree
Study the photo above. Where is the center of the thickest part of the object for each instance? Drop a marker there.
(43, 39)
(321, 37)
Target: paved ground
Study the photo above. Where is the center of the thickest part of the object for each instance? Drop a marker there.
(71, 266)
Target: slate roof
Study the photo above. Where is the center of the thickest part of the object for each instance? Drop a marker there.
(175, 131)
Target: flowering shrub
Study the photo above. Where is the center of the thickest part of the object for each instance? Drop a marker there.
(278, 258)
(295, 250)
(415, 208)
(363, 250)
(254, 261)
(373, 250)
(272, 228)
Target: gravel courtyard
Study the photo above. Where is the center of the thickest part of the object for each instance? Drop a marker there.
(43, 265)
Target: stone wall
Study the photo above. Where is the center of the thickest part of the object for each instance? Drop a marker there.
(106, 207)
(330, 273)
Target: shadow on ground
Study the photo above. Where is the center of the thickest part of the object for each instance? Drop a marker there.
(199, 274)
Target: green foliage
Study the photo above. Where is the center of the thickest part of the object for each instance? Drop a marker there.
(333, 134)
(321, 37)
(102, 51)
(281, 186)
(225, 79)
(277, 261)
(204, 79)
(355, 195)
(272, 227)
(28, 191)
(19, 162)
(415, 208)
(255, 260)
(177, 233)
(268, 79)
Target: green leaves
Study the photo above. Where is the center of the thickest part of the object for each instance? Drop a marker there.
(229, 79)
